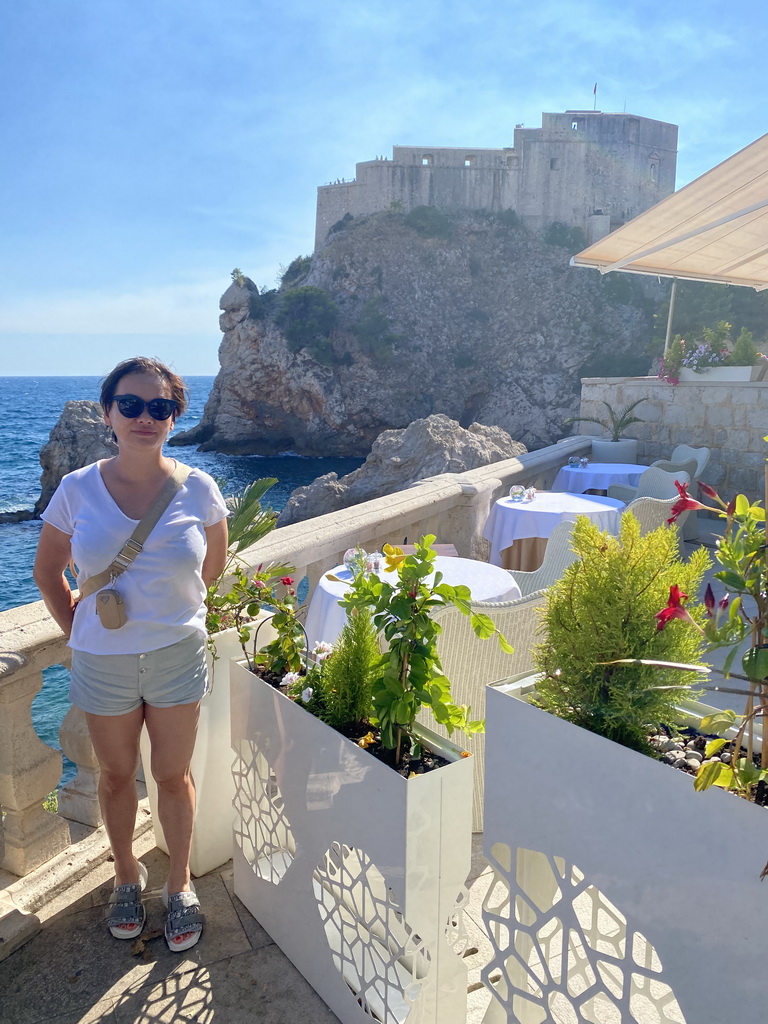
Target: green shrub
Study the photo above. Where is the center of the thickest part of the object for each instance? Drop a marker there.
(372, 330)
(603, 609)
(744, 352)
(297, 269)
(306, 316)
(429, 222)
(509, 219)
(572, 239)
(345, 221)
(347, 675)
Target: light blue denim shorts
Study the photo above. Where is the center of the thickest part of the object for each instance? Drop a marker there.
(114, 684)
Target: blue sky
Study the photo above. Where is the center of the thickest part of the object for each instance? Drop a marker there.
(150, 146)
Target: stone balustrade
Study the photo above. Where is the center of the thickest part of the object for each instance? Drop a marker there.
(452, 506)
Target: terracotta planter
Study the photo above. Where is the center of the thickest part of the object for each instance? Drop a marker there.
(606, 865)
(353, 870)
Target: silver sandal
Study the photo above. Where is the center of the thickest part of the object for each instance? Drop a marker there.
(125, 908)
(184, 915)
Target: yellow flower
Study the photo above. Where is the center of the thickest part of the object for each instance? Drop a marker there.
(466, 753)
(394, 557)
(366, 741)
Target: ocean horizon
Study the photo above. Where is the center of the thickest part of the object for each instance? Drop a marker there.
(36, 403)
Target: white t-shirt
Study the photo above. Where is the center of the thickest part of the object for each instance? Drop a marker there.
(163, 589)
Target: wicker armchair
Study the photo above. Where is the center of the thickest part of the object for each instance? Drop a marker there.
(471, 663)
(653, 483)
(557, 557)
(654, 512)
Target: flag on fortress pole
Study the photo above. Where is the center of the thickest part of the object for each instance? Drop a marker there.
(594, 93)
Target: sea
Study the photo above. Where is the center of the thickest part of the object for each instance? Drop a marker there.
(31, 407)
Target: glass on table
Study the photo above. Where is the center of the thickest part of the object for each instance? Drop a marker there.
(517, 492)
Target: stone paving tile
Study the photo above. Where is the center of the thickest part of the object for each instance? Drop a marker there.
(257, 936)
(74, 963)
(260, 985)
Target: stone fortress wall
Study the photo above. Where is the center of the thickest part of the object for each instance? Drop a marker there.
(583, 168)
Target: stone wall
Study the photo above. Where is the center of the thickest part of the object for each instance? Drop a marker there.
(727, 417)
(586, 169)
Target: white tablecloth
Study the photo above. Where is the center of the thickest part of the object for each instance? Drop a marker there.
(516, 520)
(597, 476)
(325, 618)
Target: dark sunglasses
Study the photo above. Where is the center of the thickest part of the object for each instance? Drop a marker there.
(132, 406)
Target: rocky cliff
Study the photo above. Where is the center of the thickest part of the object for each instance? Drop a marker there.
(400, 458)
(398, 318)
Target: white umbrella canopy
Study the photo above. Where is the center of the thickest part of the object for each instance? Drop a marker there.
(714, 229)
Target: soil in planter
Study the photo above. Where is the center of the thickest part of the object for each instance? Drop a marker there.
(426, 761)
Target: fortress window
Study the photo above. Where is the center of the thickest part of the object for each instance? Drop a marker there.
(575, 125)
(653, 171)
(426, 160)
(554, 163)
(470, 161)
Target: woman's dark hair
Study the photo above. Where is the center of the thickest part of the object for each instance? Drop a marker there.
(144, 364)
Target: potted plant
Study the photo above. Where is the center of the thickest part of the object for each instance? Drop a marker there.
(606, 865)
(355, 869)
(618, 448)
(227, 605)
(716, 356)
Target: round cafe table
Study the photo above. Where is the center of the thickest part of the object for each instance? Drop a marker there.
(597, 476)
(326, 618)
(518, 530)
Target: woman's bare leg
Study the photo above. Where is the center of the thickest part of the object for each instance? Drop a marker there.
(172, 732)
(115, 741)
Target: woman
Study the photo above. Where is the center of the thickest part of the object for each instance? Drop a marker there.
(151, 670)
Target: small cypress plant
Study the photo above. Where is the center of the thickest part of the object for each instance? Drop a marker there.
(347, 674)
(603, 610)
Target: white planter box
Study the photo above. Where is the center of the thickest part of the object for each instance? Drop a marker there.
(621, 894)
(622, 451)
(355, 872)
(211, 764)
(717, 373)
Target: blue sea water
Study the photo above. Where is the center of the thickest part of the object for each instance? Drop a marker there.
(31, 406)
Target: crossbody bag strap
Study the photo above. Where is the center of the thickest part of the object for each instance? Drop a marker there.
(135, 543)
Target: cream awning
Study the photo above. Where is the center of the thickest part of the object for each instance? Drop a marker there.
(714, 229)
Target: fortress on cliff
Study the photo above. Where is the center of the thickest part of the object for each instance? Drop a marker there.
(582, 168)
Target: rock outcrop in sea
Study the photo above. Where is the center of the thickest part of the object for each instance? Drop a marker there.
(79, 437)
(397, 318)
(400, 458)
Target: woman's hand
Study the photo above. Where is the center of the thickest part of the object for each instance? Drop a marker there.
(54, 551)
(216, 537)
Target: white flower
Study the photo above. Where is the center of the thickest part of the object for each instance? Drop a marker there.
(321, 651)
(290, 678)
(306, 695)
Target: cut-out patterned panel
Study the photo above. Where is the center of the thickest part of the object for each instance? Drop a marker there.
(262, 829)
(373, 947)
(563, 952)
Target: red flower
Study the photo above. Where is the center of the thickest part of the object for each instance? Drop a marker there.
(684, 502)
(708, 492)
(674, 609)
(287, 580)
(709, 600)
(260, 584)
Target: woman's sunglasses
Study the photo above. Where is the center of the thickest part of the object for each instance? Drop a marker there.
(132, 406)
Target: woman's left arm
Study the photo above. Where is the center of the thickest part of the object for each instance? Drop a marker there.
(216, 537)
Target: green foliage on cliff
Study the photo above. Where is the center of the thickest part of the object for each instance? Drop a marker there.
(372, 330)
(429, 222)
(572, 239)
(345, 222)
(296, 270)
(306, 317)
(699, 305)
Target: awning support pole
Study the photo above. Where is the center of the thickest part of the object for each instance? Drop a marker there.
(672, 297)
